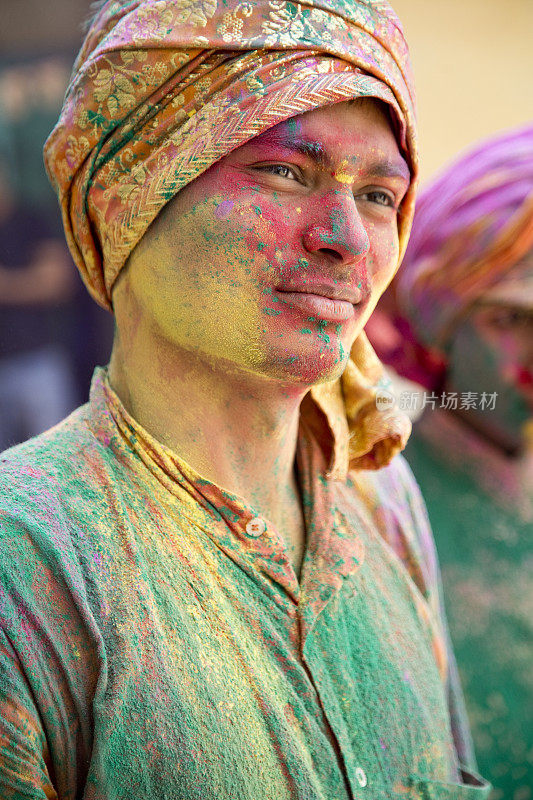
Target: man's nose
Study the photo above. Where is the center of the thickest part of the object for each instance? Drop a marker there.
(339, 234)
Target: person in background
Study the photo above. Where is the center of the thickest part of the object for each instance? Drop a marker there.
(36, 286)
(462, 312)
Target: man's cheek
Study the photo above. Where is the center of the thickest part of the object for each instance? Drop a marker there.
(271, 235)
(224, 227)
(507, 349)
(382, 261)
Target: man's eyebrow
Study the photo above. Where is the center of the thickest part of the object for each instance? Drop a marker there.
(390, 169)
(313, 150)
(317, 153)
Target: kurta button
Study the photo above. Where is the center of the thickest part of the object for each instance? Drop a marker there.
(256, 527)
(361, 777)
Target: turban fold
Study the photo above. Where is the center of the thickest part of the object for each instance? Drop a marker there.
(162, 89)
(472, 228)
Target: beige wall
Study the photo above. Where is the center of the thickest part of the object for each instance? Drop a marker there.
(473, 63)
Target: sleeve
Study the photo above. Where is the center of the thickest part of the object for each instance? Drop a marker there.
(408, 531)
(48, 660)
(24, 756)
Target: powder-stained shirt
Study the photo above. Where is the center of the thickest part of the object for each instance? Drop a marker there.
(157, 644)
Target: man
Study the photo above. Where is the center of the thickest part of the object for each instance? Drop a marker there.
(214, 590)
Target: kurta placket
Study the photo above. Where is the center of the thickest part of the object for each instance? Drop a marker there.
(331, 555)
(257, 547)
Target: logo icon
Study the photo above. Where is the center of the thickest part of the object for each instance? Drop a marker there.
(384, 400)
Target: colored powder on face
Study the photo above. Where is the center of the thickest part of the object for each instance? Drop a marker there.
(291, 124)
(343, 177)
(223, 209)
(344, 173)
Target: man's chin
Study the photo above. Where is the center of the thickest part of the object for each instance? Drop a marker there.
(312, 369)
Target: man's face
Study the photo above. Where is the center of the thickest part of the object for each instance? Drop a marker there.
(273, 259)
(504, 322)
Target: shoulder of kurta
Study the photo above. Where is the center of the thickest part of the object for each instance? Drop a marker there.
(45, 610)
(44, 548)
(394, 487)
(400, 515)
(400, 486)
(43, 468)
(42, 482)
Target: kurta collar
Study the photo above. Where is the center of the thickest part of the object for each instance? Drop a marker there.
(334, 549)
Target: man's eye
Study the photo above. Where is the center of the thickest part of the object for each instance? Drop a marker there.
(502, 319)
(380, 197)
(280, 170)
(510, 318)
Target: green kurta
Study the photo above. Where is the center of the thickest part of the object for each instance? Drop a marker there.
(485, 555)
(157, 643)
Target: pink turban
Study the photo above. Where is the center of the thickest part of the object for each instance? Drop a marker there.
(473, 225)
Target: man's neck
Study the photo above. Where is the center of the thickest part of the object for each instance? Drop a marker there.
(235, 429)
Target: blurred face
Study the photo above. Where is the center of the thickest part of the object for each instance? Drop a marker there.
(273, 259)
(508, 331)
(503, 320)
(492, 352)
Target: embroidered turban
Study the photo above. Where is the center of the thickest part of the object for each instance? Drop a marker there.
(162, 89)
(472, 229)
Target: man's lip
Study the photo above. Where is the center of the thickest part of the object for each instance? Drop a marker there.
(318, 306)
(349, 294)
(525, 377)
